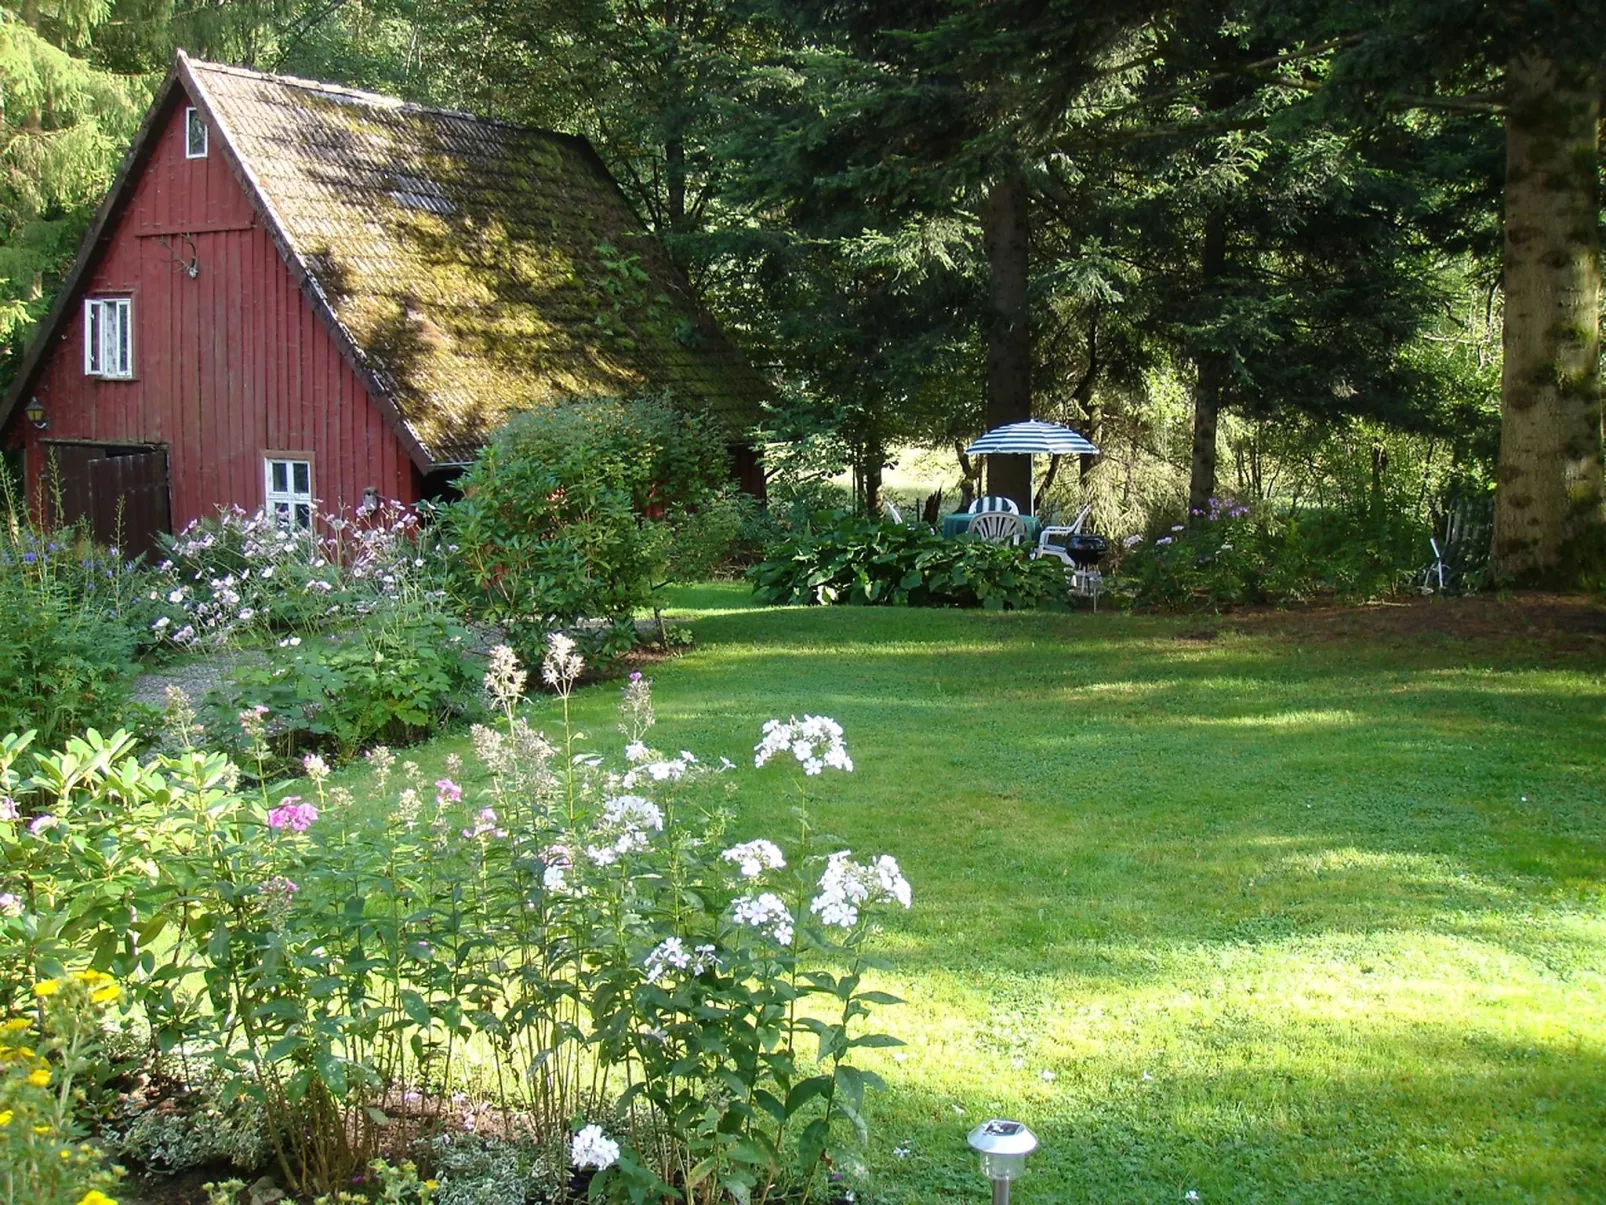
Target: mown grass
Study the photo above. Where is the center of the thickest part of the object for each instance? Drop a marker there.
(1265, 916)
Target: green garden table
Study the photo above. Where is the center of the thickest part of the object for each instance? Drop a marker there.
(955, 524)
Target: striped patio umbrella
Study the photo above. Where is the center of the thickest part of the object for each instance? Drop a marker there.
(1033, 437)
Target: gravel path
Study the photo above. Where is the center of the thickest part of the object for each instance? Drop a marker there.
(195, 675)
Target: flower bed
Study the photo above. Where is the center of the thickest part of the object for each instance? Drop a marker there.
(576, 950)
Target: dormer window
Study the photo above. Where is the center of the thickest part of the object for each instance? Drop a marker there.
(109, 337)
(194, 134)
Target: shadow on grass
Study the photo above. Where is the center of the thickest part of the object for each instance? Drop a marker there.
(1335, 1116)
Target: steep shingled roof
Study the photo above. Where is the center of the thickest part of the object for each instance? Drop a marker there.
(476, 268)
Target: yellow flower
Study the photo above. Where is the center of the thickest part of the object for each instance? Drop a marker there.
(105, 995)
(48, 988)
(41, 1129)
(5, 1117)
(15, 1024)
(40, 1078)
(95, 1197)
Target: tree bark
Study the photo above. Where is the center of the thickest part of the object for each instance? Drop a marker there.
(1006, 241)
(674, 126)
(1209, 375)
(1548, 521)
(1084, 396)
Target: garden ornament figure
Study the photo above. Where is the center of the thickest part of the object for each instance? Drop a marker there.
(1003, 1146)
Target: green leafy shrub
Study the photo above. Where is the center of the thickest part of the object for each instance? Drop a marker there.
(66, 651)
(393, 678)
(571, 513)
(847, 559)
(1228, 557)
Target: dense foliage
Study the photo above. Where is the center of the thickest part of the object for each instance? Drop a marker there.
(1229, 557)
(66, 652)
(846, 559)
(583, 949)
(576, 512)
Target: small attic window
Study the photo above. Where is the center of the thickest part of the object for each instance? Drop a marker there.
(420, 192)
(194, 134)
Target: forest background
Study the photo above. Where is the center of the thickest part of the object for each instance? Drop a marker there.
(1305, 254)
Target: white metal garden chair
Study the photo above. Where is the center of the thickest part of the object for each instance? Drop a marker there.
(997, 527)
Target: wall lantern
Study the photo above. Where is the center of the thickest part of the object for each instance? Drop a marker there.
(1003, 1147)
(35, 411)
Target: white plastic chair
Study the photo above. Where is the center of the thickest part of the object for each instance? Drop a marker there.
(997, 527)
(1085, 583)
(989, 503)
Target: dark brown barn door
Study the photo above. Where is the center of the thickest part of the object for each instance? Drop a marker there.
(120, 491)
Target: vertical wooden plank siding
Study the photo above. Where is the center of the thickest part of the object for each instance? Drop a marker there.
(228, 365)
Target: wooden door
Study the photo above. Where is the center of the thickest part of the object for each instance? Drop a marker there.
(129, 500)
(121, 492)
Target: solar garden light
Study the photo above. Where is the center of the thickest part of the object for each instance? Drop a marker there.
(1003, 1147)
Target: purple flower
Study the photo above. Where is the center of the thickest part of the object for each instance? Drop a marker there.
(635, 675)
(447, 791)
(293, 814)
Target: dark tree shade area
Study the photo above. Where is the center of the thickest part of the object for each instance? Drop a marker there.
(1197, 232)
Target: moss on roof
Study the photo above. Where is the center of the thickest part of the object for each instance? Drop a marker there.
(479, 268)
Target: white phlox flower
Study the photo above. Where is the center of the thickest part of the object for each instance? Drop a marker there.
(766, 912)
(624, 824)
(670, 770)
(846, 885)
(752, 858)
(671, 955)
(592, 1148)
(633, 811)
(555, 878)
(815, 741)
(637, 751)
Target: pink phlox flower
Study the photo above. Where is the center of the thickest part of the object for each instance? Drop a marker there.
(447, 791)
(293, 814)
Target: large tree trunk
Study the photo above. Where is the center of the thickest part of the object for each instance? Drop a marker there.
(1006, 241)
(1209, 374)
(1548, 519)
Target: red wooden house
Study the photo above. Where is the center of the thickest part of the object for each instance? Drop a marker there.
(299, 294)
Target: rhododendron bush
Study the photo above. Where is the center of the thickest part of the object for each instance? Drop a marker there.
(576, 945)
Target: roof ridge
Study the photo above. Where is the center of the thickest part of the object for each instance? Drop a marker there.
(376, 99)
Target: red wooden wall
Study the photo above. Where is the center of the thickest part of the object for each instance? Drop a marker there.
(228, 366)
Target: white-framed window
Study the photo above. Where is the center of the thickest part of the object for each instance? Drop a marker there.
(289, 491)
(194, 134)
(109, 337)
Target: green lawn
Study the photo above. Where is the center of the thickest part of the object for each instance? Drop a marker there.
(1301, 912)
